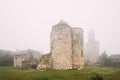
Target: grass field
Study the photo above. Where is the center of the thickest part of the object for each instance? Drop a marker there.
(10, 73)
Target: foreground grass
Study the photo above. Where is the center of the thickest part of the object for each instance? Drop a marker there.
(10, 73)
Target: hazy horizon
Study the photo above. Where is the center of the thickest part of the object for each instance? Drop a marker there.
(26, 24)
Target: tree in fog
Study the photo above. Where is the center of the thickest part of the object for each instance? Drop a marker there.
(104, 59)
(107, 61)
(6, 58)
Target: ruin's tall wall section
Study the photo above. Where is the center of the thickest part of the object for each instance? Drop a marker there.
(77, 48)
(61, 48)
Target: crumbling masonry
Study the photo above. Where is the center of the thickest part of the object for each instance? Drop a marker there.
(66, 47)
(66, 50)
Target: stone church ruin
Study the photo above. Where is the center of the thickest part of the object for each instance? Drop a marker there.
(66, 49)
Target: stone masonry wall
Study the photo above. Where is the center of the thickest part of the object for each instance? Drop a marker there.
(77, 48)
(61, 47)
(67, 50)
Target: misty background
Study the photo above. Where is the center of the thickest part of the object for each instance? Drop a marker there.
(26, 24)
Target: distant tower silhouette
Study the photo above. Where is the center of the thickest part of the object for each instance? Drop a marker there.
(91, 48)
(91, 36)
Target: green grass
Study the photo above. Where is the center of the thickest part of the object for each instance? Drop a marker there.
(10, 73)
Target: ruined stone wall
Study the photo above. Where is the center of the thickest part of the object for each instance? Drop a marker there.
(45, 62)
(61, 48)
(67, 47)
(19, 58)
(15, 62)
(25, 55)
(67, 50)
(77, 48)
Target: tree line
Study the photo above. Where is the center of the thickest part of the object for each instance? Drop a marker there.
(6, 58)
(107, 61)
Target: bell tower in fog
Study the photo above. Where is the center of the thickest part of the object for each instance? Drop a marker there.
(91, 48)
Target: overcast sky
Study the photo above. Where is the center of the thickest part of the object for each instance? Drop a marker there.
(26, 24)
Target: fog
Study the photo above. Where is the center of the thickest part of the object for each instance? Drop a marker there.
(27, 23)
